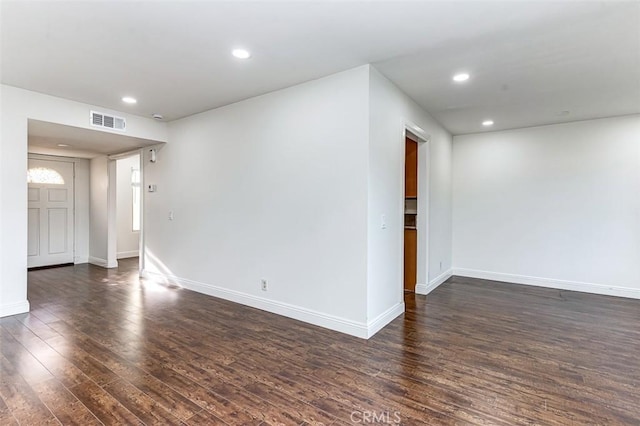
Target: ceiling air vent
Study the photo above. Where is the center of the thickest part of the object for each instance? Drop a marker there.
(107, 121)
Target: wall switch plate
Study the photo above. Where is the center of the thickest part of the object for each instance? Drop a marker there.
(153, 188)
(263, 284)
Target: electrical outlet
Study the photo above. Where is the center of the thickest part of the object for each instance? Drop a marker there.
(263, 284)
(441, 265)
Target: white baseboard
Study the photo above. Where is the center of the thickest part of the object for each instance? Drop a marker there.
(383, 319)
(80, 259)
(434, 283)
(15, 308)
(126, 254)
(607, 290)
(98, 261)
(332, 322)
(102, 262)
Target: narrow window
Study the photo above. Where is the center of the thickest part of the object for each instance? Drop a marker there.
(135, 189)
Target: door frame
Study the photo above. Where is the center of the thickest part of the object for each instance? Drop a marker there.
(112, 229)
(74, 161)
(415, 132)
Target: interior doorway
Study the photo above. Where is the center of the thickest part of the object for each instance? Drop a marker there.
(410, 215)
(128, 207)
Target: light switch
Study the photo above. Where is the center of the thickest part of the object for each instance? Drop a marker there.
(153, 188)
(171, 215)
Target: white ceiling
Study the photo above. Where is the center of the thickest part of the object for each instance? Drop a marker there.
(529, 61)
(44, 138)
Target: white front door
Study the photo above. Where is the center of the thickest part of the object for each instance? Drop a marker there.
(50, 216)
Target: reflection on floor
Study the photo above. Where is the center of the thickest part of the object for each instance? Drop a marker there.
(102, 346)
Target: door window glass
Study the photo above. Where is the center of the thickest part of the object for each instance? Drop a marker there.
(44, 175)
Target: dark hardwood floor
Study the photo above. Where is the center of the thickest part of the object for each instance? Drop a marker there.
(102, 347)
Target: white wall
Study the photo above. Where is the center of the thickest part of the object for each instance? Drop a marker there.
(102, 207)
(290, 187)
(13, 227)
(11, 301)
(272, 187)
(555, 206)
(99, 207)
(82, 218)
(16, 107)
(128, 239)
(390, 112)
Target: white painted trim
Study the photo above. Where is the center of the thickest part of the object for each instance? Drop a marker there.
(434, 283)
(80, 259)
(127, 154)
(424, 201)
(51, 157)
(125, 254)
(604, 289)
(98, 261)
(416, 130)
(138, 151)
(141, 236)
(384, 318)
(102, 262)
(112, 231)
(14, 308)
(310, 316)
(112, 217)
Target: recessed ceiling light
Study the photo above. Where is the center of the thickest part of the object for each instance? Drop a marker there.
(63, 145)
(157, 116)
(459, 78)
(129, 100)
(487, 123)
(241, 53)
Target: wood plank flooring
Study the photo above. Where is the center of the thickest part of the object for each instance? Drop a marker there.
(103, 347)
